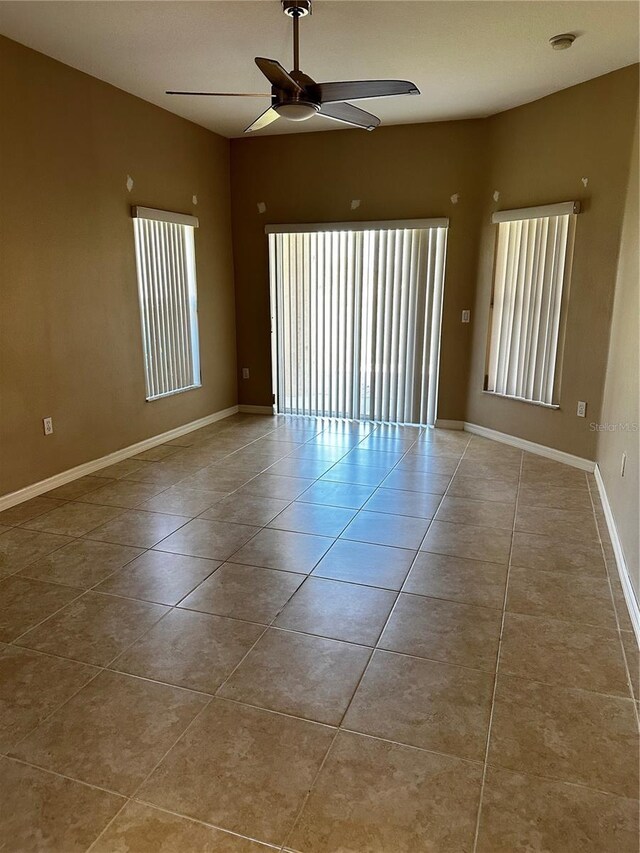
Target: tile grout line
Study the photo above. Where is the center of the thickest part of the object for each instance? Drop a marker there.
(111, 667)
(339, 728)
(396, 592)
(271, 625)
(91, 588)
(495, 681)
(53, 711)
(60, 775)
(101, 668)
(212, 698)
(440, 502)
(375, 488)
(230, 559)
(82, 593)
(111, 792)
(370, 433)
(107, 666)
(131, 797)
(136, 508)
(266, 844)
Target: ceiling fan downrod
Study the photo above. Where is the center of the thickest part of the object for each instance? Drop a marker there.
(296, 9)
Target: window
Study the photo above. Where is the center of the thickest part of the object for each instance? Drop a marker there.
(530, 291)
(165, 262)
(356, 315)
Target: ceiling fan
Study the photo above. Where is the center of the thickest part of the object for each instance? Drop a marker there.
(296, 97)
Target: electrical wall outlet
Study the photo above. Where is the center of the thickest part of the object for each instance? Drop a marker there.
(47, 426)
(466, 316)
(245, 372)
(623, 464)
(582, 409)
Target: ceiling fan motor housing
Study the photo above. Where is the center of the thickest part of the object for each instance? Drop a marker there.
(296, 105)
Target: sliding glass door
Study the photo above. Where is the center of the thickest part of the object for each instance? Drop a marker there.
(356, 314)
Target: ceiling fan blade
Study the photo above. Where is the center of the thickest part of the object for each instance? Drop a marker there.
(263, 120)
(349, 114)
(225, 94)
(328, 93)
(276, 75)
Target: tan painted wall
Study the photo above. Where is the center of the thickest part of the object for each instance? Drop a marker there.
(538, 154)
(70, 343)
(400, 172)
(534, 154)
(621, 398)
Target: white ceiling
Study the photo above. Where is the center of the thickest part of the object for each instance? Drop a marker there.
(470, 58)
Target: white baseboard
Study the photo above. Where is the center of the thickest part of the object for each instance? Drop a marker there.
(256, 410)
(627, 588)
(443, 423)
(532, 447)
(63, 477)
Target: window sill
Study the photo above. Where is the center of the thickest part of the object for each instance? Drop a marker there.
(522, 400)
(173, 393)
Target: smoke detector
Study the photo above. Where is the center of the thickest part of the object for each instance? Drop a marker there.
(562, 42)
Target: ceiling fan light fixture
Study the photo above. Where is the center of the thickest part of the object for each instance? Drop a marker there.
(298, 111)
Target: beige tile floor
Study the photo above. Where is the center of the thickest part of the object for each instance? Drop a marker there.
(322, 637)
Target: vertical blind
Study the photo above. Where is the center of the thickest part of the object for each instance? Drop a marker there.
(356, 314)
(165, 261)
(532, 268)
